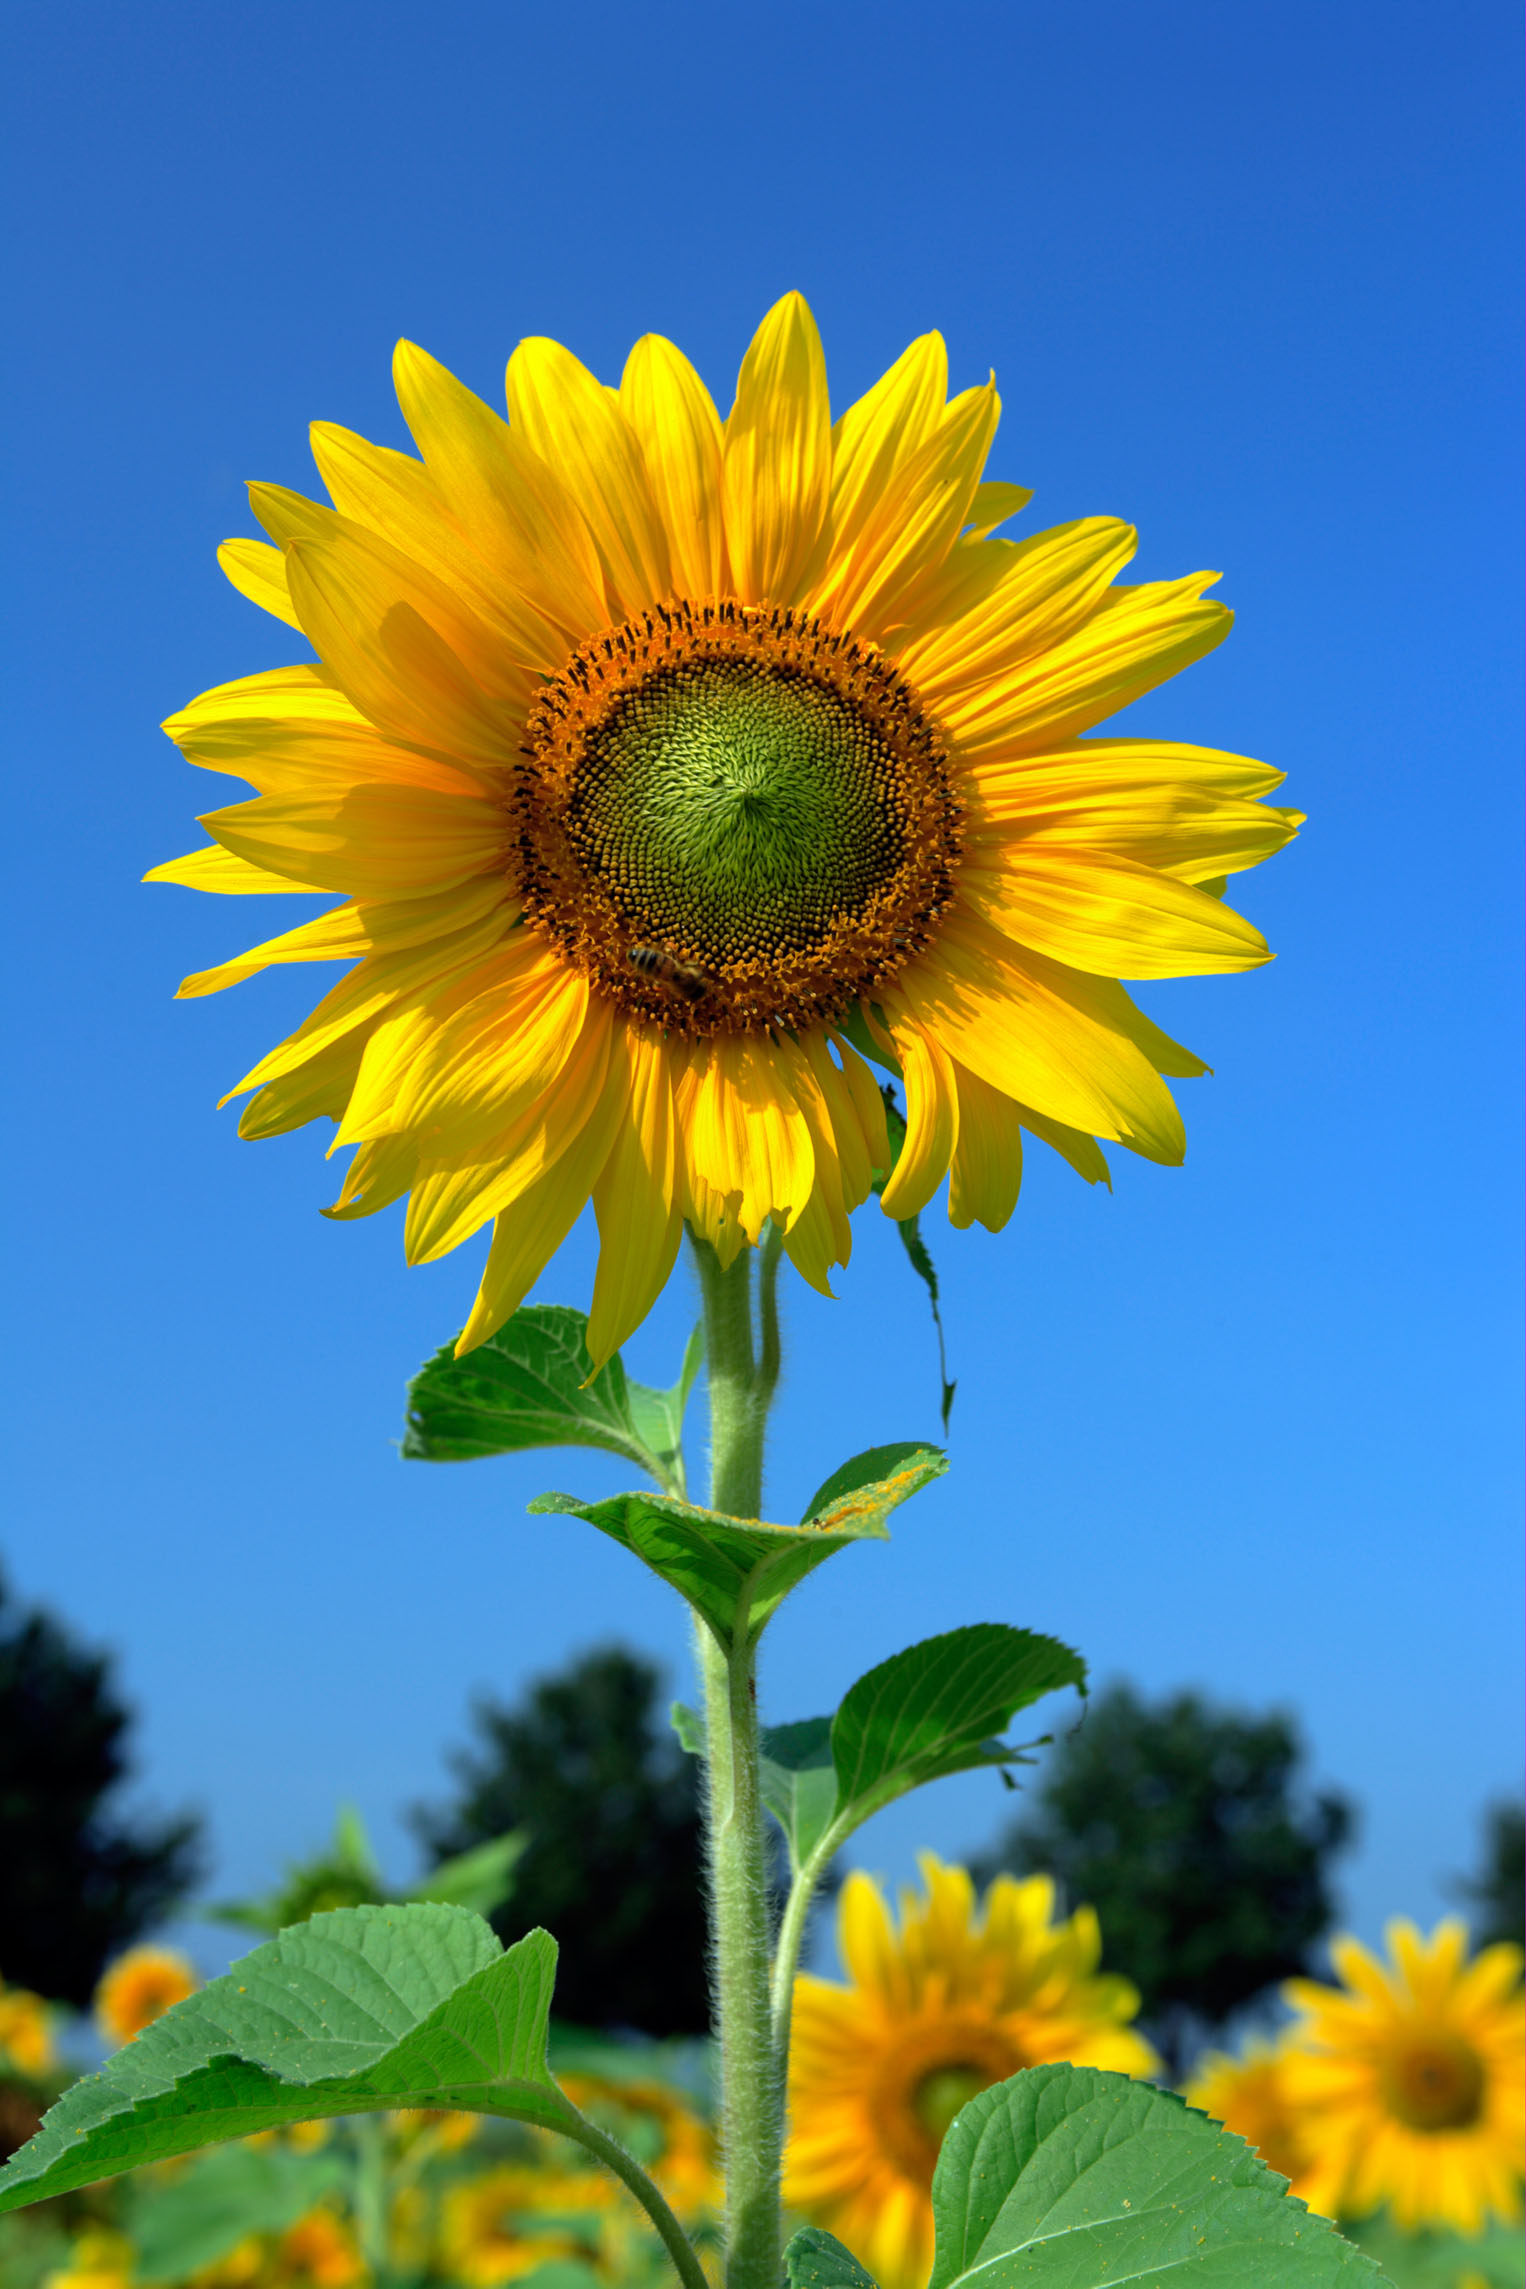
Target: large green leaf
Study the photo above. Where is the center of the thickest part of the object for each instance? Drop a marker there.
(1068, 2178)
(198, 2216)
(735, 1571)
(481, 1879)
(365, 2008)
(814, 2260)
(533, 1385)
(797, 1777)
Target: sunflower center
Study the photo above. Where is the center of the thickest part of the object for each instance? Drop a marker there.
(733, 817)
(945, 2092)
(1433, 2080)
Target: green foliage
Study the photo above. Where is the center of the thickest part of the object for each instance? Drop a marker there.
(1495, 2258)
(347, 1875)
(191, 2221)
(582, 1766)
(815, 2260)
(735, 1572)
(532, 1385)
(1069, 2178)
(364, 2009)
(932, 1710)
(81, 1881)
(1496, 1892)
(1181, 1823)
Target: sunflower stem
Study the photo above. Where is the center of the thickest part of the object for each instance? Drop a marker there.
(741, 1386)
(630, 2173)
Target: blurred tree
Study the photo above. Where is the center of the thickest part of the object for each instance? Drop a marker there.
(81, 1880)
(586, 1768)
(1495, 1893)
(1183, 1825)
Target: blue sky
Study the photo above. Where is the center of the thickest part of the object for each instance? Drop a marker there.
(1246, 277)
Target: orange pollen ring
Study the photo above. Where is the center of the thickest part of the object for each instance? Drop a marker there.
(731, 817)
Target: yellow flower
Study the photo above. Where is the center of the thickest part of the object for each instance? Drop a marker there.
(512, 2219)
(653, 756)
(26, 2032)
(1249, 2095)
(139, 1987)
(1409, 2080)
(958, 1999)
(318, 2252)
(96, 2261)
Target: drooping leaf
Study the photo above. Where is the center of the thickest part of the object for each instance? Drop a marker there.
(910, 1229)
(532, 1385)
(1069, 2178)
(937, 1707)
(179, 2227)
(365, 2008)
(481, 1879)
(735, 1571)
(815, 2260)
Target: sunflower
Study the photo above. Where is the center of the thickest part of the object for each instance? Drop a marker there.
(318, 2252)
(26, 2032)
(1409, 2078)
(665, 764)
(139, 1987)
(955, 2001)
(513, 2218)
(670, 2141)
(1249, 2095)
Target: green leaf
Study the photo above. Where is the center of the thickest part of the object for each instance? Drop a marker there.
(532, 1385)
(1440, 2259)
(935, 1708)
(814, 2260)
(178, 2228)
(1069, 2178)
(361, 2009)
(481, 1879)
(910, 1229)
(735, 1571)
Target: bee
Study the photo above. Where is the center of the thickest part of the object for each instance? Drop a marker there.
(685, 977)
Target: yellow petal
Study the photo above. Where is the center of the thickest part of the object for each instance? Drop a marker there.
(351, 931)
(317, 1090)
(304, 694)
(1135, 639)
(671, 412)
(748, 1137)
(1050, 1037)
(778, 457)
(878, 433)
(258, 571)
(995, 501)
(380, 633)
(578, 429)
(918, 516)
(636, 1199)
(932, 1112)
(393, 496)
(324, 757)
(1083, 1152)
(378, 1175)
(987, 1171)
(218, 869)
(1195, 837)
(370, 841)
(1107, 915)
(1001, 602)
(507, 501)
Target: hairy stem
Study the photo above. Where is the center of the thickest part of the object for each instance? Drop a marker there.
(792, 1926)
(751, 2097)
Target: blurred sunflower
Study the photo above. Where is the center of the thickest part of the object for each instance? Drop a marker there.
(511, 2219)
(140, 1987)
(670, 2141)
(659, 759)
(959, 1998)
(319, 2251)
(26, 2032)
(1249, 2095)
(1409, 2080)
(99, 2259)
